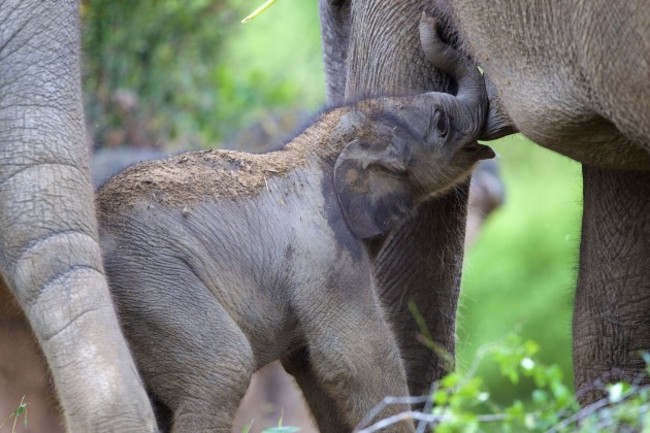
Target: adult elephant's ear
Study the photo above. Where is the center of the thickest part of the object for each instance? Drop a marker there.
(371, 183)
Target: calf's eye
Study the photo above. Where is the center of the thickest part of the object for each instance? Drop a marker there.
(441, 122)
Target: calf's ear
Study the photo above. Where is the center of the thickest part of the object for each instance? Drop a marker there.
(372, 187)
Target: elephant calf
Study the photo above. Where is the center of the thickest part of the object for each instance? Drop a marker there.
(221, 262)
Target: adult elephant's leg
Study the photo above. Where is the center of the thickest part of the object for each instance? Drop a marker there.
(49, 255)
(422, 261)
(611, 324)
(421, 265)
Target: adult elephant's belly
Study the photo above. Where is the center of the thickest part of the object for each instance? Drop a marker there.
(556, 119)
(572, 75)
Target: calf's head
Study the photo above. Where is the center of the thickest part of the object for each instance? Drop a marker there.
(409, 149)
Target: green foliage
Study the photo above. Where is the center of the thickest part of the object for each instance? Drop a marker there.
(184, 63)
(464, 404)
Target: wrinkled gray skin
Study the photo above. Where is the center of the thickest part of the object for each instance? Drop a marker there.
(216, 273)
(49, 254)
(572, 76)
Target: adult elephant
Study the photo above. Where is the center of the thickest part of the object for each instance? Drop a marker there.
(49, 256)
(573, 77)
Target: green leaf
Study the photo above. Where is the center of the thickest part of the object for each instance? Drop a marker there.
(441, 397)
(516, 410)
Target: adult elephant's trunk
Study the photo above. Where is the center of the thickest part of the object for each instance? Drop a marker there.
(49, 255)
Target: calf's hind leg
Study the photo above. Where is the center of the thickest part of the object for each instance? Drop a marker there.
(194, 359)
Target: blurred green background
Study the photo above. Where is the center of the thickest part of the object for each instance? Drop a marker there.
(519, 276)
(176, 74)
(195, 74)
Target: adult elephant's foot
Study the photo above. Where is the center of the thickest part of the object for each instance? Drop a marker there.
(611, 323)
(97, 383)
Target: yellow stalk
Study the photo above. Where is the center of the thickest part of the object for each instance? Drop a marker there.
(267, 4)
